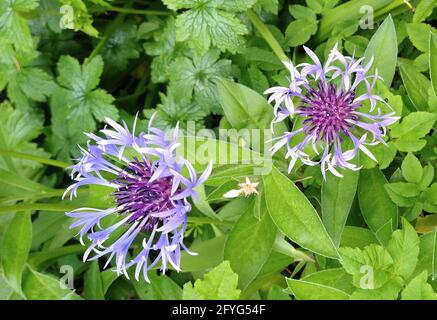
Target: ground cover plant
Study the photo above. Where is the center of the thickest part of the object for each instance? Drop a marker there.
(218, 149)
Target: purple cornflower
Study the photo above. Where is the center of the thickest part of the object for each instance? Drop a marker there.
(331, 111)
(150, 197)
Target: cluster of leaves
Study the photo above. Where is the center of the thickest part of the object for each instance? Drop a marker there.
(66, 65)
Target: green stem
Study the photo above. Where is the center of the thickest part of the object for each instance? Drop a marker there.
(34, 197)
(51, 162)
(55, 207)
(38, 258)
(395, 4)
(267, 35)
(206, 220)
(109, 31)
(139, 11)
(282, 246)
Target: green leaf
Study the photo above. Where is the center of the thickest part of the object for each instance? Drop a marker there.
(301, 12)
(17, 131)
(373, 258)
(211, 252)
(210, 22)
(24, 82)
(379, 212)
(165, 49)
(197, 78)
(93, 288)
(249, 243)
(173, 110)
(39, 286)
(383, 48)
(389, 291)
(295, 216)
(78, 100)
(419, 35)
(335, 277)
(277, 293)
(304, 290)
(412, 169)
(15, 248)
(433, 61)
(404, 249)
(428, 254)
(161, 287)
(246, 109)
(13, 24)
(121, 46)
(82, 19)
(218, 284)
(299, 32)
(404, 189)
(419, 289)
(337, 197)
(416, 85)
(423, 10)
(412, 129)
(357, 237)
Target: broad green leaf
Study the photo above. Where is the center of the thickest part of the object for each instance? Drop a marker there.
(304, 290)
(412, 129)
(373, 260)
(249, 243)
(197, 77)
(423, 10)
(337, 197)
(202, 204)
(383, 48)
(379, 212)
(13, 24)
(335, 277)
(209, 255)
(403, 194)
(277, 293)
(108, 278)
(404, 249)
(419, 289)
(301, 12)
(39, 286)
(243, 107)
(347, 11)
(428, 254)
(295, 216)
(357, 237)
(213, 23)
(6, 292)
(24, 82)
(15, 248)
(300, 31)
(161, 287)
(201, 150)
(416, 85)
(218, 284)
(79, 98)
(419, 35)
(412, 169)
(389, 291)
(93, 287)
(121, 46)
(433, 61)
(173, 110)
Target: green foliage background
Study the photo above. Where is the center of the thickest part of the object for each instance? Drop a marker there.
(65, 65)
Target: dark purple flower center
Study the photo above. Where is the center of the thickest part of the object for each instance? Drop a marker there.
(140, 197)
(327, 110)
